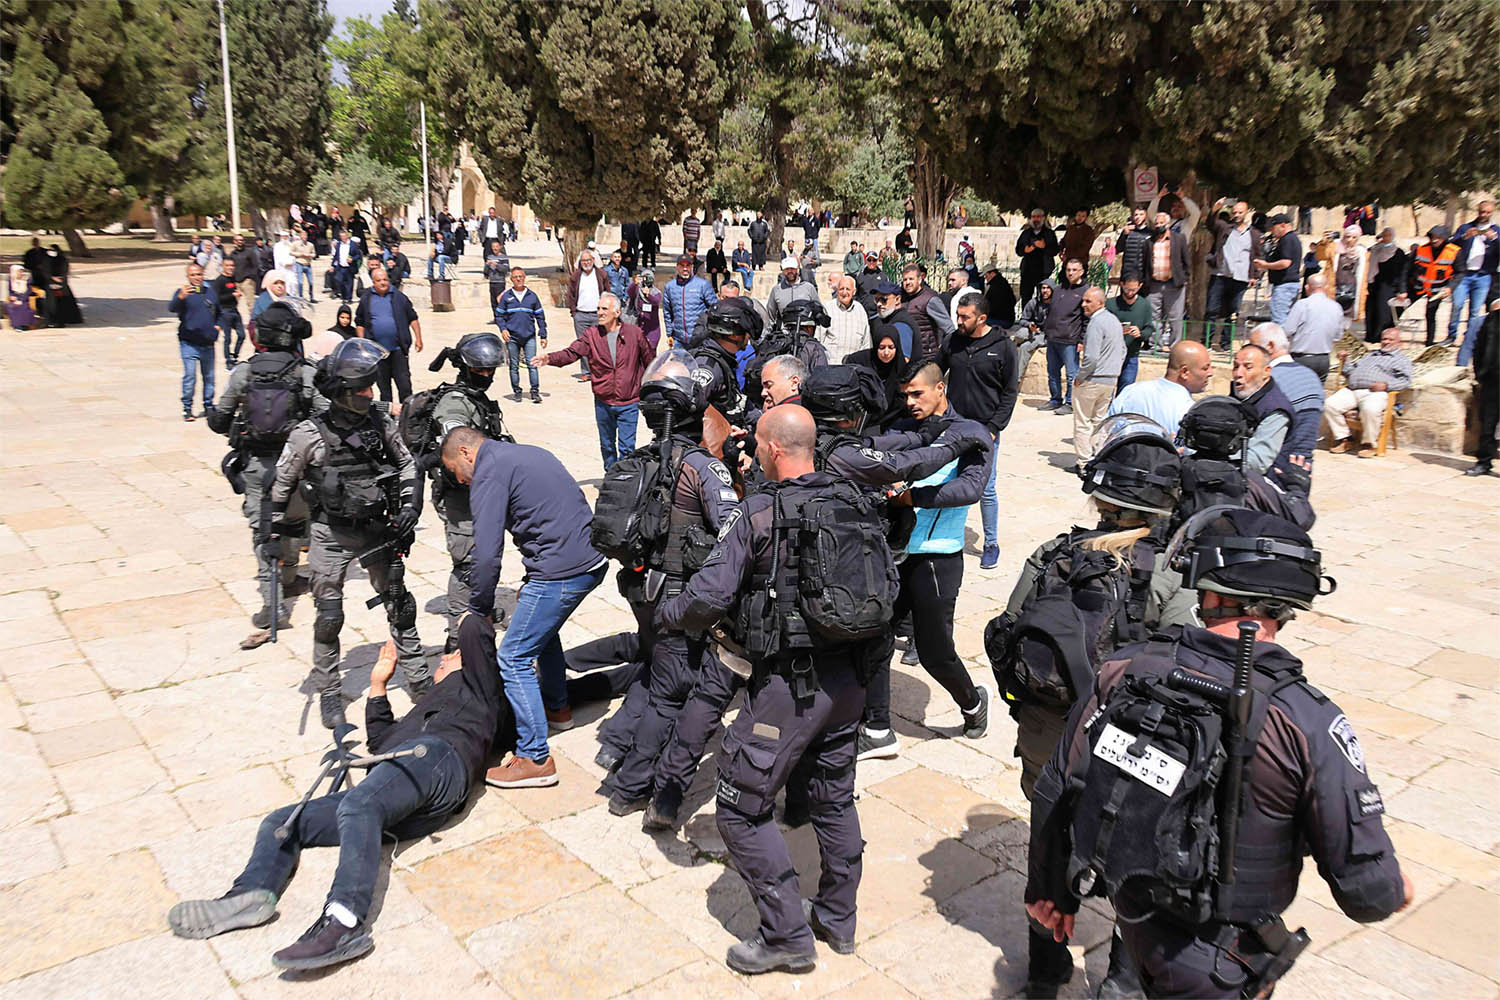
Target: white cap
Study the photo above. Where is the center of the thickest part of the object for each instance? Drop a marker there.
(787, 262)
(591, 245)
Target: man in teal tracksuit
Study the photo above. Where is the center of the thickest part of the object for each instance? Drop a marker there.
(934, 565)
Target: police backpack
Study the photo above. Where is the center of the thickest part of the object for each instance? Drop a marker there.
(420, 432)
(1210, 482)
(275, 401)
(1083, 605)
(633, 507)
(1145, 797)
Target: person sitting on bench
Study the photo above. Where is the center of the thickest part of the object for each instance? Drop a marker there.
(455, 724)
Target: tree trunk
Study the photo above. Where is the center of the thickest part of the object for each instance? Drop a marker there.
(932, 190)
(775, 209)
(1450, 215)
(258, 222)
(1200, 244)
(275, 221)
(574, 240)
(161, 219)
(76, 245)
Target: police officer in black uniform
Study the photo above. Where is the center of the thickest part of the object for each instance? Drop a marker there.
(702, 499)
(266, 397)
(732, 323)
(1205, 919)
(463, 403)
(840, 398)
(366, 493)
(795, 706)
(1212, 436)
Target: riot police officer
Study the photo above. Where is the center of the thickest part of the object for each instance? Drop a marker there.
(732, 323)
(1169, 738)
(366, 496)
(840, 399)
(1079, 597)
(462, 403)
(1212, 436)
(700, 501)
(266, 397)
(795, 333)
(806, 689)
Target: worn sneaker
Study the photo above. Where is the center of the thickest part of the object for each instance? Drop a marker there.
(205, 918)
(840, 946)
(536, 397)
(1341, 446)
(911, 657)
(977, 719)
(607, 759)
(883, 746)
(522, 772)
(753, 957)
(622, 805)
(990, 557)
(188, 417)
(515, 396)
(1050, 404)
(326, 942)
(1478, 469)
(560, 719)
(1064, 410)
(331, 708)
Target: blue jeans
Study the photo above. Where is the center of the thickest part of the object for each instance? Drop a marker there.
(541, 608)
(1128, 371)
(1282, 297)
(410, 796)
(515, 348)
(989, 502)
(1060, 356)
(230, 321)
(343, 283)
(616, 430)
(305, 287)
(443, 263)
(747, 277)
(194, 359)
(1471, 288)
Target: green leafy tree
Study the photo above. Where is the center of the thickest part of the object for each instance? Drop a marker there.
(521, 81)
(280, 76)
(358, 177)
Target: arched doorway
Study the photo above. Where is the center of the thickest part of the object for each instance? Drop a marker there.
(470, 192)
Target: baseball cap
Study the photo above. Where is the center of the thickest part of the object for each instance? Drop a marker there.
(872, 255)
(685, 258)
(887, 287)
(787, 262)
(1279, 219)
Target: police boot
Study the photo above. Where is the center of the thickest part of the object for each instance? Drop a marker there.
(262, 618)
(331, 707)
(1121, 981)
(418, 687)
(753, 956)
(661, 814)
(1049, 965)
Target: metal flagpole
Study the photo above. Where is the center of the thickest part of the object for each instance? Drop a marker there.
(426, 196)
(234, 173)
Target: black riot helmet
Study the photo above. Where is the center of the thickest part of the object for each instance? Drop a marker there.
(804, 313)
(473, 353)
(349, 367)
(842, 397)
(1215, 427)
(1135, 465)
(732, 319)
(281, 328)
(669, 385)
(1265, 563)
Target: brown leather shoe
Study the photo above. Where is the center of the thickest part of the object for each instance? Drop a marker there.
(1341, 447)
(522, 772)
(1366, 451)
(560, 719)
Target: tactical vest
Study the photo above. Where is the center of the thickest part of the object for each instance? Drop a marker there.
(729, 400)
(359, 478)
(1167, 864)
(686, 543)
(898, 520)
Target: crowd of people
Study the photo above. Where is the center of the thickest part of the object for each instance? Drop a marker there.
(37, 292)
(795, 523)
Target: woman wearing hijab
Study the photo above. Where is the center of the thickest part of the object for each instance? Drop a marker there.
(320, 345)
(885, 359)
(18, 300)
(272, 289)
(1385, 268)
(1348, 272)
(62, 308)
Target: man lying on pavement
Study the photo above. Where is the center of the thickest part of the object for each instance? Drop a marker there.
(456, 722)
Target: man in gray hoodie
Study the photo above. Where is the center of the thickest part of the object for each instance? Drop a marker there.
(1098, 371)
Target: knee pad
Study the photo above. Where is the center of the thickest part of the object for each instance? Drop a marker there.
(402, 613)
(328, 622)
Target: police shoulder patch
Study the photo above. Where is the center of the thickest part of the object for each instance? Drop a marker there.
(872, 454)
(1369, 801)
(703, 376)
(720, 471)
(1342, 732)
(730, 522)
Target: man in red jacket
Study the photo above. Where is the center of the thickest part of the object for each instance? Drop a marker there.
(617, 355)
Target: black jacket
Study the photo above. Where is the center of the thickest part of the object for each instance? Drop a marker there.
(466, 709)
(1135, 254)
(650, 231)
(982, 377)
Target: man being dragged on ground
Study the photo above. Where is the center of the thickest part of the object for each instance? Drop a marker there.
(455, 724)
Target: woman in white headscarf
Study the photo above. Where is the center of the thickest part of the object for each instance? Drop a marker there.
(18, 300)
(1348, 277)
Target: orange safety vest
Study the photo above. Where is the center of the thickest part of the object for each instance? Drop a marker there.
(1430, 271)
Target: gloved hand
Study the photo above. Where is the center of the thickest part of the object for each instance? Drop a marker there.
(406, 521)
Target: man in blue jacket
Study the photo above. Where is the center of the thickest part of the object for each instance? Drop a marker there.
(933, 568)
(386, 316)
(523, 327)
(526, 491)
(685, 298)
(197, 311)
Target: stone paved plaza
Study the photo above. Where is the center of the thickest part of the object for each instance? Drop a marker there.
(140, 746)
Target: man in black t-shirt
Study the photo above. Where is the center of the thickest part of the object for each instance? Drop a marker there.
(1283, 267)
(226, 287)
